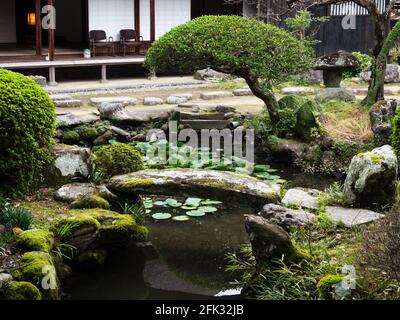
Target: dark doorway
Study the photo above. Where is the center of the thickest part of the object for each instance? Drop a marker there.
(214, 7)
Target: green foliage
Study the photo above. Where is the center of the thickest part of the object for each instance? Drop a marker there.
(303, 21)
(232, 43)
(27, 127)
(13, 217)
(35, 240)
(138, 211)
(19, 291)
(395, 136)
(364, 61)
(334, 195)
(161, 154)
(116, 159)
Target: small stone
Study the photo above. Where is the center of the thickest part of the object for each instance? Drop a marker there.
(40, 80)
(104, 138)
(92, 260)
(179, 98)
(152, 101)
(304, 198)
(74, 191)
(17, 230)
(71, 119)
(329, 94)
(121, 133)
(295, 90)
(209, 74)
(216, 95)
(2, 230)
(242, 92)
(125, 101)
(392, 74)
(352, 217)
(5, 278)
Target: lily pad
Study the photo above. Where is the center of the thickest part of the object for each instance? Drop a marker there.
(209, 202)
(161, 216)
(208, 209)
(172, 203)
(148, 211)
(189, 207)
(196, 213)
(148, 205)
(160, 203)
(181, 218)
(193, 202)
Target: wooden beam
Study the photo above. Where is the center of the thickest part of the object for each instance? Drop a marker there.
(137, 17)
(152, 21)
(51, 37)
(38, 14)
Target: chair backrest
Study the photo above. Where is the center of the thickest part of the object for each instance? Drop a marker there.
(128, 34)
(97, 35)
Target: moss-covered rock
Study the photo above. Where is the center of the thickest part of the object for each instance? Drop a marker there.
(306, 120)
(326, 285)
(70, 137)
(35, 240)
(22, 290)
(90, 202)
(116, 159)
(87, 133)
(37, 267)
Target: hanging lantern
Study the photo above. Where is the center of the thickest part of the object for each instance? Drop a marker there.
(31, 18)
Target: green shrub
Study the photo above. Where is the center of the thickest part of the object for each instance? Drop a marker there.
(263, 54)
(116, 159)
(87, 133)
(395, 136)
(27, 127)
(364, 61)
(71, 137)
(13, 217)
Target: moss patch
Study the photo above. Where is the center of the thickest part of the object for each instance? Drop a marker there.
(326, 285)
(90, 202)
(137, 183)
(22, 291)
(35, 240)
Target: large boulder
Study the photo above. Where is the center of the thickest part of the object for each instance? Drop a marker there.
(286, 150)
(329, 94)
(371, 178)
(269, 241)
(381, 114)
(285, 217)
(209, 74)
(392, 74)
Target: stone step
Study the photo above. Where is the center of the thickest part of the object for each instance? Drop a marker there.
(179, 98)
(352, 217)
(242, 92)
(61, 97)
(125, 101)
(296, 90)
(206, 124)
(71, 119)
(216, 95)
(73, 103)
(152, 101)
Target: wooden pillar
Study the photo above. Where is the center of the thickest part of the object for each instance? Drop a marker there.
(38, 15)
(51, 37)
(152, 20)
(137, 17)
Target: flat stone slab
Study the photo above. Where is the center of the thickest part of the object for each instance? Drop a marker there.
(61, 97)
(224, 186)
(216, 95)
(304, 198)
(352, 217)
(152, 101)
(242, 92)
(71, 161)
(137, 117)
(125, 101)
(74, 103)
(71, 119)
(179, 98)
(296, 90)
(207, 124)
(74, 191)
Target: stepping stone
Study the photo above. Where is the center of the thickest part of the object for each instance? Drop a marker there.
(179, 98)
(304, 198)
(217, 108)
(152, 101)
(188, 105)
(216, 95)
(74, 191)
(71, 119)
(125, 101)
(242, 92)
(206, 124)
(60, 97)
(296, 90)
(352, 217)
(74, 103)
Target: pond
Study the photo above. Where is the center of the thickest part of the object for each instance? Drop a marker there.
(186, 259)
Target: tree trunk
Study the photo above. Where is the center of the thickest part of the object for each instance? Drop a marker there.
(378, 70)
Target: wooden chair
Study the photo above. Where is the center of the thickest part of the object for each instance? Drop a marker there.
(130, 39)
(98, 39)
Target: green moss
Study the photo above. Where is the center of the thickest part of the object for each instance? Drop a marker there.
(137, 183)
(27, 128)
(395, 136)
(70, 137)
(375, 158)
(90, 202)
(34, 267)
(326, 285)
(87, 133)
(65, 228)
(116, 159)
(22, 291)
(35, 240)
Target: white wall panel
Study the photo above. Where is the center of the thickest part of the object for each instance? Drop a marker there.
(145, 19)
(171, 13)
(111, 16)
